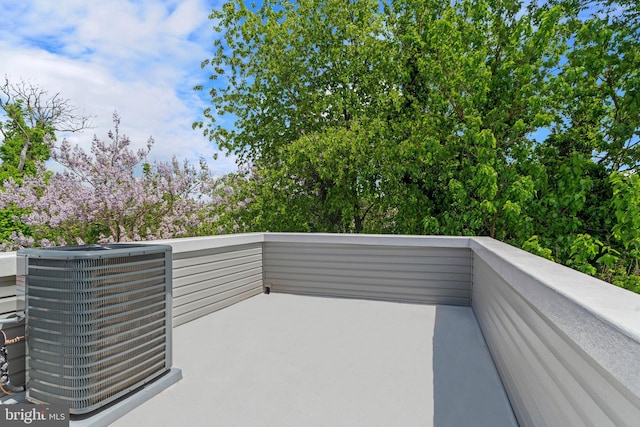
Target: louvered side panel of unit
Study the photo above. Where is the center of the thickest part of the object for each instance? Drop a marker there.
(97, 328)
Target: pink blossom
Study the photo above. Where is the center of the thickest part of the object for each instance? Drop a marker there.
(101, 192)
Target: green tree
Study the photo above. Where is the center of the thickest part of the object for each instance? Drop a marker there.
(428, 81)
(288, 69)
(22, 146)
(595, 134)
(477, 74)
(32, 117)
(299, 78)
(418, 116)
(330, 181)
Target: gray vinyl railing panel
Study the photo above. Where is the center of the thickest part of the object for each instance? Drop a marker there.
(210, 279)
(566, 345)
(434, 275)
(7, 295)
(560, 363)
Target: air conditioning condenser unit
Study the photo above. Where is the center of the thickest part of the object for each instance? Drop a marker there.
(98, 321)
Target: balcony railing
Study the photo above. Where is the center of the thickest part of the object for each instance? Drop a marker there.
(566, 345)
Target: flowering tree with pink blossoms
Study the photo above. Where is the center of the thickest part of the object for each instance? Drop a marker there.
(104, 197)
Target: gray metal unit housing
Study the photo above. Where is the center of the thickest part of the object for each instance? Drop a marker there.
(98, 321)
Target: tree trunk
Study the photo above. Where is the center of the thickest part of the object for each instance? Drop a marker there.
(23, 154)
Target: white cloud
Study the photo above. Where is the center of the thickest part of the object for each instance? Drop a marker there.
(140, 58)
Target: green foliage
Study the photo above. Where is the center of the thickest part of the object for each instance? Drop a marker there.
(626, 205)
(331, 180)
(294, 68)
(584, 249)
(19, 136)
(10, 223)
(532, 244)
(422, 116)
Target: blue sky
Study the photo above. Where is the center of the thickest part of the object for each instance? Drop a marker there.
(139, 57)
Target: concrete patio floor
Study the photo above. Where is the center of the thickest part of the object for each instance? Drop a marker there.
(287, 360)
